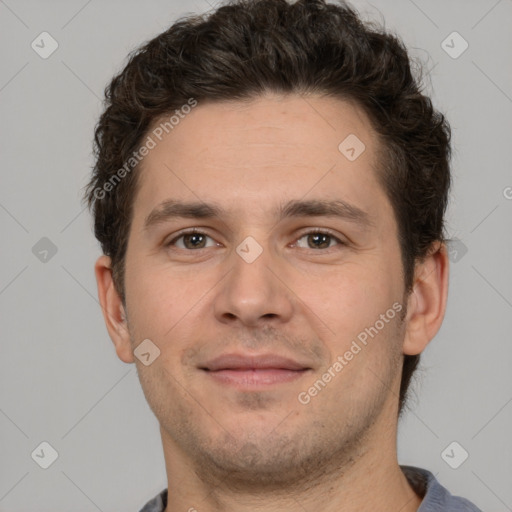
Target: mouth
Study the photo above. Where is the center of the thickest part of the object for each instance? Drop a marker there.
(254, 371)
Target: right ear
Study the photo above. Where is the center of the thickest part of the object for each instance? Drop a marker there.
(113, 310)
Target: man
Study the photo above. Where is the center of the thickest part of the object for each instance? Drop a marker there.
(269, 193)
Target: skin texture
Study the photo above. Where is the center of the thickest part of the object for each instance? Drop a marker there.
(237, 449)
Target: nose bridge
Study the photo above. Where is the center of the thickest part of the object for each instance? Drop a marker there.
(252, 291)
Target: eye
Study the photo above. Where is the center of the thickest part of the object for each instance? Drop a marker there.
(319, 240)
(192, 239)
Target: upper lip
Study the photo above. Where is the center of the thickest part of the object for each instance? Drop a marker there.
(248, 362)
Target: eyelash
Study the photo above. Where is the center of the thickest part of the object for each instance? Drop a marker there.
(316, 231)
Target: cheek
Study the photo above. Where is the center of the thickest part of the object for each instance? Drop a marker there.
(167, 306)
(155, 302)
(348, 299)
(158, 384)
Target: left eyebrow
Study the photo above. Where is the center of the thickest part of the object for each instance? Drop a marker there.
(326, 208)
(170, 209)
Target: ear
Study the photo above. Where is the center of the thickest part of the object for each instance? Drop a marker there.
(426, 303)
(113, 310)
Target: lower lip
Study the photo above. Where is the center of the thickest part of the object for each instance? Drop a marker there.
(255, 377)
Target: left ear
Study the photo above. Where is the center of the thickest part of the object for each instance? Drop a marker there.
(426, 304)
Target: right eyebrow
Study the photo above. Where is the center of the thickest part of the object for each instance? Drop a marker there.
(170, 209)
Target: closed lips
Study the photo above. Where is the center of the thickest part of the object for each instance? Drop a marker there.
(253, 362)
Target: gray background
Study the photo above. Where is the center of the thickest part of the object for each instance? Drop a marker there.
(61, 381)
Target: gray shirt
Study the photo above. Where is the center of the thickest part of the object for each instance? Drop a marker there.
(435, 497)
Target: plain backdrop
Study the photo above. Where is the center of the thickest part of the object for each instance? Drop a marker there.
(60, 379)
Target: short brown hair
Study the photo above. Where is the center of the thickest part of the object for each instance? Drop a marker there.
(248, 47)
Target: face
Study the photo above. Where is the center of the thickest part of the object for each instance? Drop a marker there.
(278, 319)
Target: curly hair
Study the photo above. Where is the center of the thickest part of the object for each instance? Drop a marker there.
(246, 48)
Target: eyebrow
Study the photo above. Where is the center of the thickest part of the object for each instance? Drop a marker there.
(170, 209)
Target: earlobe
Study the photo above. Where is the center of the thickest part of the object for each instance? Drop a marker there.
(113, 310)
(427, 302)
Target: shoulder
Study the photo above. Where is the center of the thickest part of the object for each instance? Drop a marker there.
(436, 498)
(157, 504)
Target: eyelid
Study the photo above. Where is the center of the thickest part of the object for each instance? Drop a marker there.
(324, 231)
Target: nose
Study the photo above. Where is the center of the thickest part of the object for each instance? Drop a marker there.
(254, 293)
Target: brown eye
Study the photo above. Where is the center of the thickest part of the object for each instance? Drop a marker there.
(319, 240)
(190, 240)
(194, 241)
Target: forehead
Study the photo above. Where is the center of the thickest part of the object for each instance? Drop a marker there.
(249, 153)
